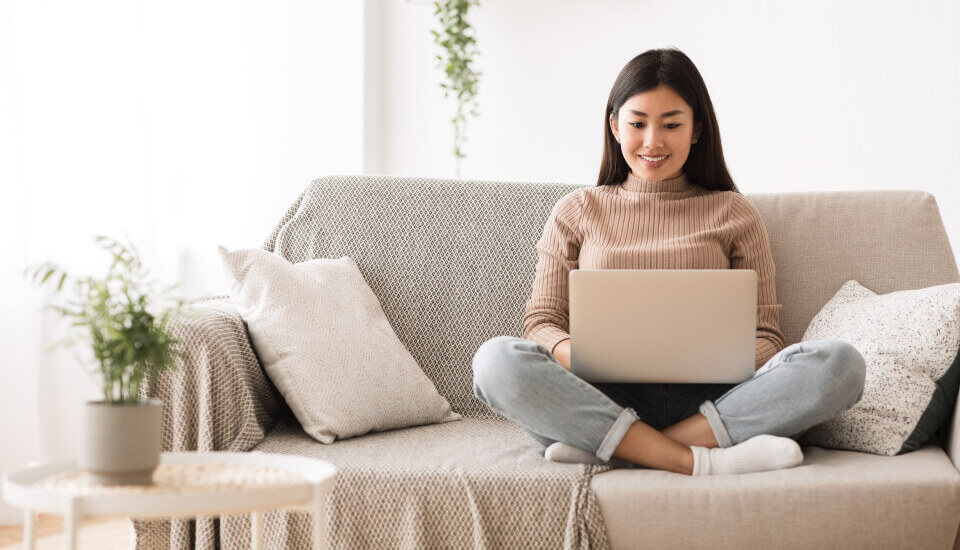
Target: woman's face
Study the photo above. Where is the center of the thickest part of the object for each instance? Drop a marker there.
(655, 130)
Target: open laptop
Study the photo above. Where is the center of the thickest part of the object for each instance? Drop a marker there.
(663, 325)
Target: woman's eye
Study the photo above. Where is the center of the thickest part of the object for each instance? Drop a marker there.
(670, 126)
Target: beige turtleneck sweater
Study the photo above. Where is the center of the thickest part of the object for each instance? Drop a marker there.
(638, 224)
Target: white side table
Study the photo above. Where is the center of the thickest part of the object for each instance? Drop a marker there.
(186, 485)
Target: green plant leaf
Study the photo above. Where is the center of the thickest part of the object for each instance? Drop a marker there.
(458, 41)
(114, 315)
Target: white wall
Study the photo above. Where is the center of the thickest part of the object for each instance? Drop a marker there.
(809, 96)
(184, 124)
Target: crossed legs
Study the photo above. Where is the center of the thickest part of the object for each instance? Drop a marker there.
(668, 449)
(519, 379)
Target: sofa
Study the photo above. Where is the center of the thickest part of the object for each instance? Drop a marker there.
(452, 263)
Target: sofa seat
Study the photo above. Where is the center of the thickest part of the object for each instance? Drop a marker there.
(835, 499)
(470, 483)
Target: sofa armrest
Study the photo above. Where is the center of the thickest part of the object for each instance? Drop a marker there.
(949, 436)
(218, 398)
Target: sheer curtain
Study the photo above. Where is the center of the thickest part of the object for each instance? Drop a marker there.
(182, 125)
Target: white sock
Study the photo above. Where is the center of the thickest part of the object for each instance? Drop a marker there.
(757, 454)
(561, 452)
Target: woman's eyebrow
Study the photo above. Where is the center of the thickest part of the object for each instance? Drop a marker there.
(668, 113)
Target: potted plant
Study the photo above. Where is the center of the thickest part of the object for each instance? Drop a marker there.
(125, 324)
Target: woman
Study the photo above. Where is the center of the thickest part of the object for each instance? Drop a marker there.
(664, 200)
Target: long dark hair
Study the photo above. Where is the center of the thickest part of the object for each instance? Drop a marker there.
(669, 66)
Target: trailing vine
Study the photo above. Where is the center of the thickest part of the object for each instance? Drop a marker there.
(460, 47)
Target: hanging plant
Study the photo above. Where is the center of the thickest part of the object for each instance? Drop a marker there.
(456, 37)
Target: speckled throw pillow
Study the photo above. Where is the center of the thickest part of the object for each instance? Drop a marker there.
(909, 340)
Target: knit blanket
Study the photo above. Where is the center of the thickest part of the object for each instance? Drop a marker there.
(451, 262)
(473, 483)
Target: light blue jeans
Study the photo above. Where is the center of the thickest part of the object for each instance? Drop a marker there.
(803, 385)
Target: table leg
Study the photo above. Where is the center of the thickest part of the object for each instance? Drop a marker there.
(256, 530)
(70, 520)
(29, 532)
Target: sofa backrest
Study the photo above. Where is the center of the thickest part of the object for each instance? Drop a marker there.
(887, 240)
(452, 261)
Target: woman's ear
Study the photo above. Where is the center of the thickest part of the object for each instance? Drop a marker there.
(613, 128)
(697, 128)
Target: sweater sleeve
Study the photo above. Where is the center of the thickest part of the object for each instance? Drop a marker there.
(750, 249)
(546, 319)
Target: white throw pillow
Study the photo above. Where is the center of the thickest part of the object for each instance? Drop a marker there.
(324, 341)
(909, 340)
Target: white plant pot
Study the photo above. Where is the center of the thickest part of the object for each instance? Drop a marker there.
(120, 443)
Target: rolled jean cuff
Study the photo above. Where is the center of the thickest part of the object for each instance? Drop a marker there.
(620, 426)
(709, 410)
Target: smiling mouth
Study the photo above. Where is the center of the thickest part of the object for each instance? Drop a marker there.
(654, 159)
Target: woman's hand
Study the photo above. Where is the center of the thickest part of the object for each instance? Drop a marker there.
(562, 352)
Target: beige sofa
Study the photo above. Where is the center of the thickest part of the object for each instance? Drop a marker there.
(452, 263)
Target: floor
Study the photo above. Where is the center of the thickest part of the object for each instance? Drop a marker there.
(111, 534)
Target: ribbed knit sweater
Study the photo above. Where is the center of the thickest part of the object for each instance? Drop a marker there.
(639, 224)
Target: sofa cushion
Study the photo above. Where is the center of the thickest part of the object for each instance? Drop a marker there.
(324, 341)
(835, 499)
(909, 340)
(477, 483)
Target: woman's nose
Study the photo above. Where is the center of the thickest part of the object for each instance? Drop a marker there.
(653, 138)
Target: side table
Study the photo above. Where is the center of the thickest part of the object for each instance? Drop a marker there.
(186, 485)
